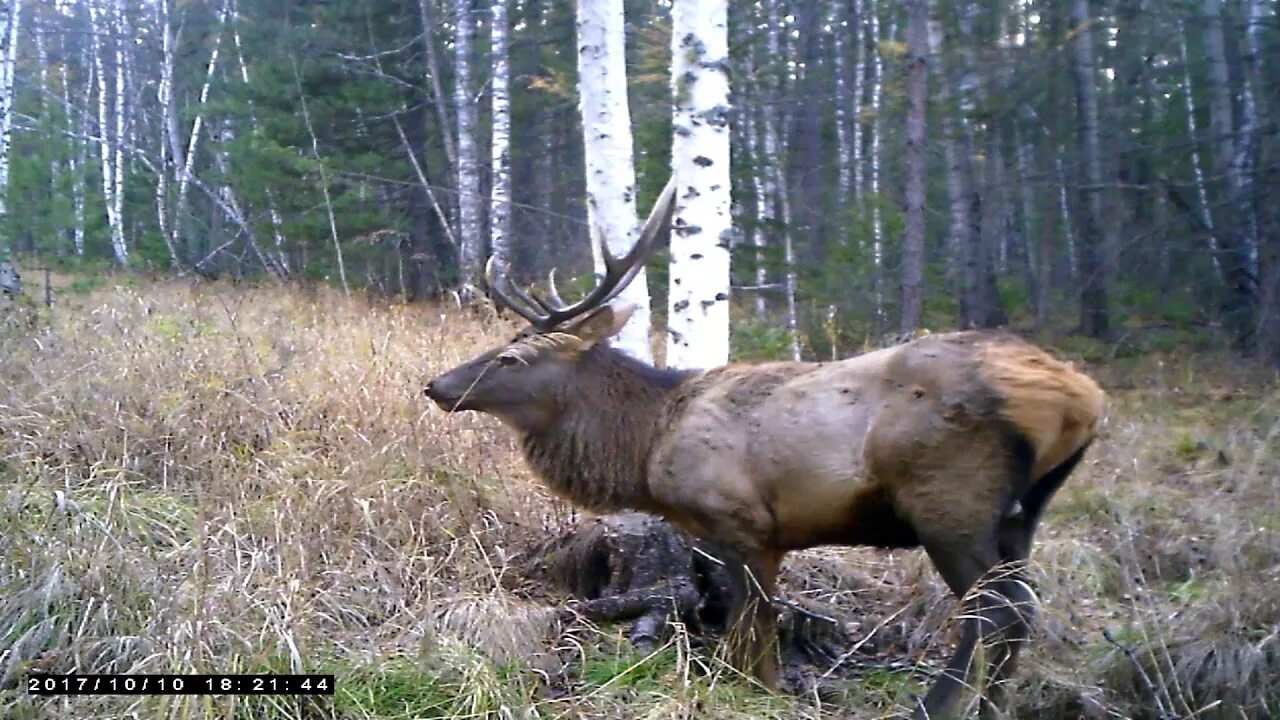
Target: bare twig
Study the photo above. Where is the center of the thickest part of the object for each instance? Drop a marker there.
(1163, 713)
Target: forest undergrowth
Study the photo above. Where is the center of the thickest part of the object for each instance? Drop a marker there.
(208, 478)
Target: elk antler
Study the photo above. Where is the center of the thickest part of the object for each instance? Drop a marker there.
(619, 272)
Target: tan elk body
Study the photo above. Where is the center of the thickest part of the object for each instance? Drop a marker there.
(953, 442)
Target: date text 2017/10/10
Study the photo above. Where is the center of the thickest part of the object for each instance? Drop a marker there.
(207, 684)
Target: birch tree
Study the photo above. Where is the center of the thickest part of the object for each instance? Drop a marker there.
(279, 261)
(698, 305)
(105, 128)
(186, 159)
(164, 96)
(499, 158)
(774, 191)
(877, 99)
(857, 92)
(469, 218)
(844, 156)
(611, 176)
(1236, 246)
(78, 159)
(1197, 165)
(120, 29)
(10, 18)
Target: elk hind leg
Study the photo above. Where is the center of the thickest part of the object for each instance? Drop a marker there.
(1013, 602)
(962, 562)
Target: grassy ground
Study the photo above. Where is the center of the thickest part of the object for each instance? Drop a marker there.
(248, 480)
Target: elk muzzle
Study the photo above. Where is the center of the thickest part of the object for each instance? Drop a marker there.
(447, 394)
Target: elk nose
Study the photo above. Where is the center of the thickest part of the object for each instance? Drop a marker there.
(427, 390)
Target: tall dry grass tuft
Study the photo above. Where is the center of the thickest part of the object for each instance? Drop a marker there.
(201, 481)
(223, 479)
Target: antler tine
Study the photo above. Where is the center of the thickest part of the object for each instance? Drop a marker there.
(552, 292)
(619, 272)
(496, 282)
(546, 305)
(629, 265)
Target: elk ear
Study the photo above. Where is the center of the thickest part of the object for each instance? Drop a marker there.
(601, 324)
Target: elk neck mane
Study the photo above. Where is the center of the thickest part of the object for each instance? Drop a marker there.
(596, 454)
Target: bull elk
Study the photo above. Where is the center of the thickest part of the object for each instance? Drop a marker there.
(954, 442)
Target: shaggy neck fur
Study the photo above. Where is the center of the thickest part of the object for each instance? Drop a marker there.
(596, 455)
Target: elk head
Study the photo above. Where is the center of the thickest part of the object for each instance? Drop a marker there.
(524, 382)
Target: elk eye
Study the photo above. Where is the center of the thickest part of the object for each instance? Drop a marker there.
(506, 360)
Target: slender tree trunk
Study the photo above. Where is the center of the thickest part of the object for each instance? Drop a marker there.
(764, 208)
(611, 177)
(877, 102)
(188, 158)
(991, 230)
(1197, 166)
(80, 157)
(324, 179)
(698, 324)
(857, 89)
(1034, 242)
(776, 209)
(164, 97)
(121, 252)
(437, 85)
(844, 157)
(1268, 236)
(499, 157)
(10, 19)
(1068, 222)
(1236, 246)
(917, 100)
(122, 32)
(278, 261)
(1094, 314)
(471, 258)
(958, 183)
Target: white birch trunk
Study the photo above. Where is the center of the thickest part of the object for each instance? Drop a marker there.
(197, 124)
(164, 97)
(877, 102)
(789, 282)
(698, 326)
(844, 158)
(859, 74)
(118, 244)
(1064, 209)
(611, 175)
(10, 18)
(1250, 94)
(120, 251)
(777, 188)
(775, 209)
(1222, 129)
(1197, 166)
(499, 151)
(764, 210)
(79, 159)
(469, 219)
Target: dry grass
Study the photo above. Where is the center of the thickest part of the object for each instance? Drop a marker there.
(231, 479)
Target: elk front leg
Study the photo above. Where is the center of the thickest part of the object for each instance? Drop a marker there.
(751, 636)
